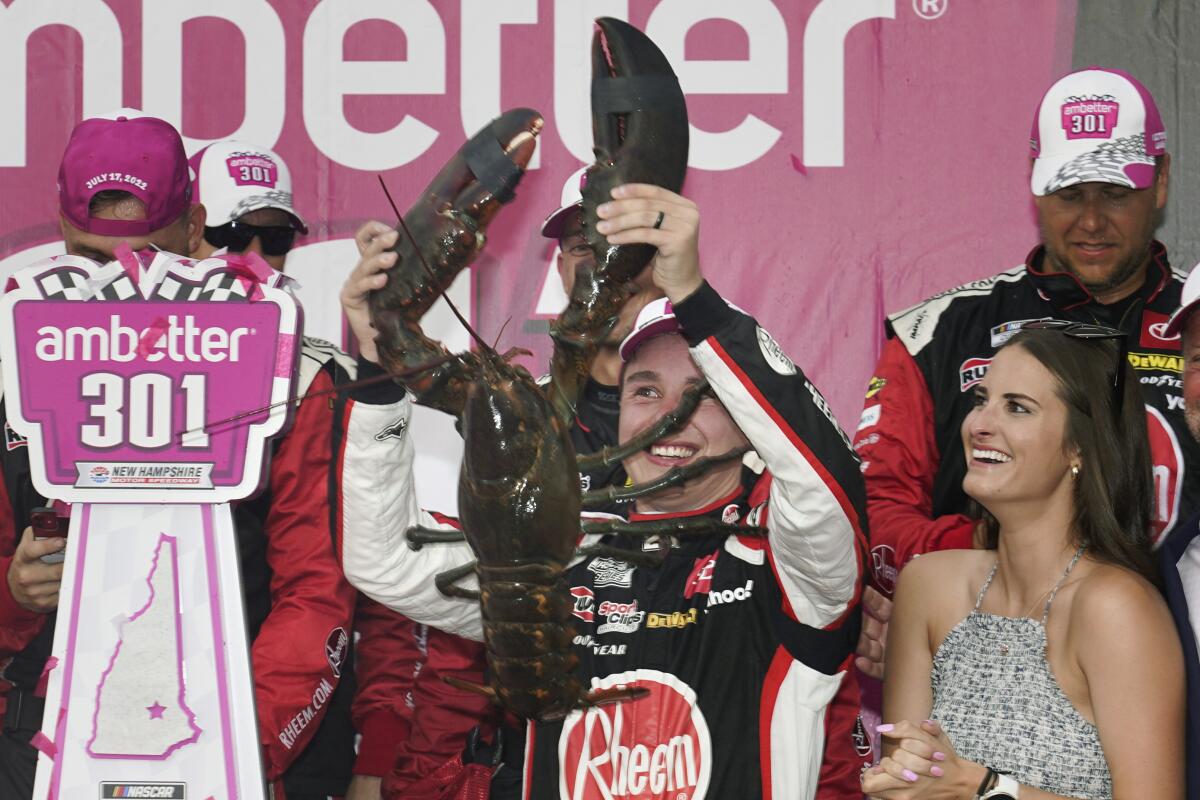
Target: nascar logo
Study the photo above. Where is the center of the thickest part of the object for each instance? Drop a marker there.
(172, 791)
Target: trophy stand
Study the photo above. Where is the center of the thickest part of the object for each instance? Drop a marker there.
(148, 389)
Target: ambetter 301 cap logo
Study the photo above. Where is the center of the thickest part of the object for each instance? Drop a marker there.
(651, 748)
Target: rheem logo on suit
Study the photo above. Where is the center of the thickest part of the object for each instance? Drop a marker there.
(661, 750)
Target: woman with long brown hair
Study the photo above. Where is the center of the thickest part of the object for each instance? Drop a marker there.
(1047, 665)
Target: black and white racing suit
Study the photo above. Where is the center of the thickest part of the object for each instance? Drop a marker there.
(741, 640)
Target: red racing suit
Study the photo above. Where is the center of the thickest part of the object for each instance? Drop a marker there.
(389, 653)
(909, 436)
(299, 607)
(733, 633)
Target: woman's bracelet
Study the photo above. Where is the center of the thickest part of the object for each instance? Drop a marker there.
(987, 784)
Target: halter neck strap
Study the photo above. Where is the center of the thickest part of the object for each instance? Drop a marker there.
(1057, 586)
(1046, 609)
(983, 589)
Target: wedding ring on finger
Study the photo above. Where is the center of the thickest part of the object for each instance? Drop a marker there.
(658, 222)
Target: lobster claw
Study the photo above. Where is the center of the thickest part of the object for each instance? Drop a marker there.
(448, 223)
(639, 130)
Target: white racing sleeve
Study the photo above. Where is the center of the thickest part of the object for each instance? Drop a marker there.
(379, 504)
(817, 502)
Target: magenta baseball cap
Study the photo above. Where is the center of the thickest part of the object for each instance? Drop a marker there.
(140, 155)
(1095, 125)
(571, 203)
(234, 178)
(655, 319)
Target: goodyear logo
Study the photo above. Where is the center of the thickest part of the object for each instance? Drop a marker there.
(875, 385)
(676, 619)
(1156, 361)
(172, 791)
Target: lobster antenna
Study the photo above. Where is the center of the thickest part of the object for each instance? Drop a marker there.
(341, 387)
(501, 333)
(432, 274)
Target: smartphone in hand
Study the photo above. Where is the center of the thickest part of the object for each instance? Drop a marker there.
(48, 524)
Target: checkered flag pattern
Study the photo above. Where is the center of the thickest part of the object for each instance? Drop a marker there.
(64, 283)
(1105, 164)
(121, 288)
(223, 286)
(175, 290)
(219, 286)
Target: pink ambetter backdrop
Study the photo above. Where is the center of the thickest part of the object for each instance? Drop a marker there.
(849, 156)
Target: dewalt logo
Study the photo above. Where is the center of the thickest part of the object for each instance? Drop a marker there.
(675, 619)
(1156, 361)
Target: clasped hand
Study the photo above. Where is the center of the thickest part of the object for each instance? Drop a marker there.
(921, 766)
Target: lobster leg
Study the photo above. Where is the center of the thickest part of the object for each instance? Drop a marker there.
(467, 686)
(445, 582)
(674, 477)
(679, 528)
(602, 697)
(419, 536)
(671, 421)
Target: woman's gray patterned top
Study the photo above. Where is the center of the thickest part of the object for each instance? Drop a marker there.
(997, 700)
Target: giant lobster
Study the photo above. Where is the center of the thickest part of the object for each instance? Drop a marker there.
(519, 496)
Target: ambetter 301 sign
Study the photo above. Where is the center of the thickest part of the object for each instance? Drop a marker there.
(118, 399)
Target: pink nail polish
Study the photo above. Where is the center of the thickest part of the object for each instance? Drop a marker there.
(939, 756)
(936, 771)
(909, 776)
(884, 728)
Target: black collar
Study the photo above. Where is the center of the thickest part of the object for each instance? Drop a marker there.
(1065, 292)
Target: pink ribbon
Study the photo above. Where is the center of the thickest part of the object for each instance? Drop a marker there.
(129, 262)
(251, 271)
(285, 355)
(42, 742)
(151, 336)
(40, 689)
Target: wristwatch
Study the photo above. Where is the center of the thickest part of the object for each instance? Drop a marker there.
(1005, 788)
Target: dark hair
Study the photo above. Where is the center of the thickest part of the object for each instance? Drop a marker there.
(106, 198)
(1113, 494)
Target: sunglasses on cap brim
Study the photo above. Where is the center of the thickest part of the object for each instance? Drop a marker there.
(1085, 330)
(275, 240)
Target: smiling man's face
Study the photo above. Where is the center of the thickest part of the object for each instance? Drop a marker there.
(1101, 233)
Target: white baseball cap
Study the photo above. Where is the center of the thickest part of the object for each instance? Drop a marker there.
(234, 178)
(1095, 125)
(1187, 303)
(655, 319)
(572, 201)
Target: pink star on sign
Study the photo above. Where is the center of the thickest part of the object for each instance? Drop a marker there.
(156, 710)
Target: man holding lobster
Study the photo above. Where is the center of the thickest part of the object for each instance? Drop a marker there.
(746, 619)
